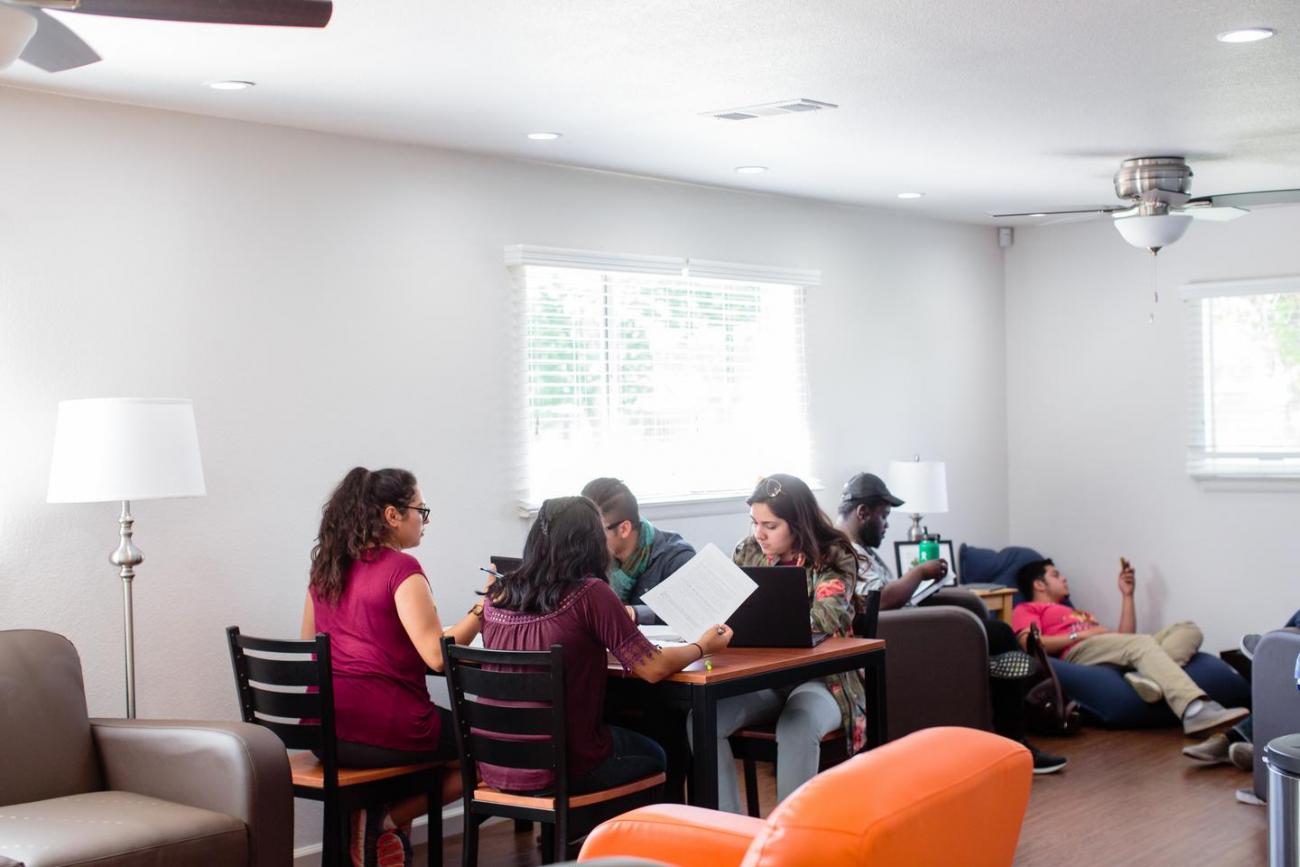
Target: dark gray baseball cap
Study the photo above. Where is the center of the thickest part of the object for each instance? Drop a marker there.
(865, 486)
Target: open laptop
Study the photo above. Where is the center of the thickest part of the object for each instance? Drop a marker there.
(776, 613)
(506, 564)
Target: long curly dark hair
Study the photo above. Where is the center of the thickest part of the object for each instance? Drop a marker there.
(352, 520)
(565, 545)
(791, 500)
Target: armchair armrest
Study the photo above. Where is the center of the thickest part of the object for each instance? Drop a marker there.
(1274, 697)
(676, 834)
(234, 768)
(936, 669)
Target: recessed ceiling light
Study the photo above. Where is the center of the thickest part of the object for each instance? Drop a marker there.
(230, 85)
(910, 195)
(544, 136)
(1248, 34)
(750, 170)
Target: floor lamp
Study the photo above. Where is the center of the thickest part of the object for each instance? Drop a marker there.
(124, 449)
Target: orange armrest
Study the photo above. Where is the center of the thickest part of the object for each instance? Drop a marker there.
(677, 834)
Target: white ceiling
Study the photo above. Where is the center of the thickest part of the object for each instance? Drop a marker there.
(984, 106)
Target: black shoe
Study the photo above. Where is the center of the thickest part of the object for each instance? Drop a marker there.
(1012, 665)
(1044, 763)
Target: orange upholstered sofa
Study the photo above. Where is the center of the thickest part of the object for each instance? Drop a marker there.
(939, 796)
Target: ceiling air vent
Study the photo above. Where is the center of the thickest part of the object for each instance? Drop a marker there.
(785, 106)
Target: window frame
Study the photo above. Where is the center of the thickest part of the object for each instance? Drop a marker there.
(520, 256)
(1211, 471)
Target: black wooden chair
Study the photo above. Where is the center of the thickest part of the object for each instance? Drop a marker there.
(288, 687)
(478, 681)
(755, 744)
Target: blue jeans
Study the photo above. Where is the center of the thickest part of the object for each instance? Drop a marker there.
(635, 756)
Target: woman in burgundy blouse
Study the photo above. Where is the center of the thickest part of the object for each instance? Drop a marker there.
(377, 607)
(559, 595)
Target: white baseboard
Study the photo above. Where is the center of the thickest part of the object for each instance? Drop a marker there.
(309, 856)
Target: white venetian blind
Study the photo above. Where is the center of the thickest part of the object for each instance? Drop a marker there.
(1244, 352)
(684, 379)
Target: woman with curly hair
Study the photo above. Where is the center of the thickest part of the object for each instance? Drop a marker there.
(376, 604)
(789, 529)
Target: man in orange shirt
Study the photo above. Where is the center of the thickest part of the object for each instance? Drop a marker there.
(1155, 661)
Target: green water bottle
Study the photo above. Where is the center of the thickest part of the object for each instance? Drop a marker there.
(928, 550)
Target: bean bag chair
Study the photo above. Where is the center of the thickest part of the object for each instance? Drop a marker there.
(1104, 697)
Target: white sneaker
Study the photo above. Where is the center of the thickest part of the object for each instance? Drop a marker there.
(1247, 796)
(1212, 716)
(1146, 688)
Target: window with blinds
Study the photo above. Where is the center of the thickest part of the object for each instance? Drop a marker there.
(684, 379)
(1245, 378)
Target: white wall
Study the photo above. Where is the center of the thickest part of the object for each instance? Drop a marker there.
(1097, 422)
(329, 301)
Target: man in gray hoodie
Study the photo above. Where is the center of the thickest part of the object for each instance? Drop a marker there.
(643, 555)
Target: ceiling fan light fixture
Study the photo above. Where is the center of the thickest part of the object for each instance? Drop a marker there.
(16, 30)
(1152, 231)
(1247, 34)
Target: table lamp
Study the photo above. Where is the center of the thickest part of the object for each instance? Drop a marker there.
(923, 488)
(124, 449)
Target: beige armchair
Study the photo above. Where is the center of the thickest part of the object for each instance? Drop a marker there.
(128, 792)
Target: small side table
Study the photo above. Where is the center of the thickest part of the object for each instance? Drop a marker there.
(997, 601)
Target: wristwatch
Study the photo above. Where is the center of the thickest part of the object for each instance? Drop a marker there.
(1074, 631)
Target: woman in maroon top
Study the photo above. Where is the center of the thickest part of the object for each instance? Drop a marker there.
(559, 595)
(376, 605)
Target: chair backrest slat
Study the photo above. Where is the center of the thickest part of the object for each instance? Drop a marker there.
(531, 755)
(295, 736)
(296, 705)
(284, 672)
(506, 685)
(508, 720)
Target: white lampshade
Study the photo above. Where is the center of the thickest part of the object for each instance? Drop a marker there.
(16, 30)
(921, 485)
(125, 449)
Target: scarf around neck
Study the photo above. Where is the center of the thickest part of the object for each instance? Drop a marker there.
(623, 576)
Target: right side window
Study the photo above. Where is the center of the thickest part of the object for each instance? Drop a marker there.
(1245, 342)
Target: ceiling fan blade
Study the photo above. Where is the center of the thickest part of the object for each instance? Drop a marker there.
(1213, 214)
(1096, 209)
(273, 13)
(1245, 200)
(56, 48)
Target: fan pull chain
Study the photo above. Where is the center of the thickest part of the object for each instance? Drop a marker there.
(1155, 287)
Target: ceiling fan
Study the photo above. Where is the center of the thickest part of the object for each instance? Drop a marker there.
(28, 33)
(1159, 208)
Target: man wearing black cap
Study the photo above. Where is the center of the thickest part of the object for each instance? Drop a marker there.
(864, 515)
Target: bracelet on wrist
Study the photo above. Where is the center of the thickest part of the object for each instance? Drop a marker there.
(697, 646)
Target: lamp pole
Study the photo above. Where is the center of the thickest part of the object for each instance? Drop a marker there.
(127, 556)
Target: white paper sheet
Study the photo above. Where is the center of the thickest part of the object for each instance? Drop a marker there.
(706, 591)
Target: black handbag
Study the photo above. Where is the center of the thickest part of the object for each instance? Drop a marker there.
(1047, 709)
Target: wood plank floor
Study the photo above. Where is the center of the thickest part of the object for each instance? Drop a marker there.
(1126, 798)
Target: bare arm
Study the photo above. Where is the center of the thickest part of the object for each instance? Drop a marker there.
(308, 631)
(1127, 611)
(1054, 644)
(419, 618)
(896, 593)
(670, 660)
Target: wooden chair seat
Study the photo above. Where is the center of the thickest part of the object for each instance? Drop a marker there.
(309, 773)
(544, 802)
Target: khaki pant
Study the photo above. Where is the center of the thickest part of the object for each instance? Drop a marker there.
(1160, 657)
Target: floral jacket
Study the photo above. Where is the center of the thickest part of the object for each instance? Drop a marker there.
(831, 589)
